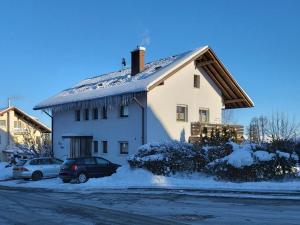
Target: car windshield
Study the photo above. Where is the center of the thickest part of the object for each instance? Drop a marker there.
(21, 162)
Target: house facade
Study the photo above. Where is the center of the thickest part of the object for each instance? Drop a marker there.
(111, 115)
(17, 127)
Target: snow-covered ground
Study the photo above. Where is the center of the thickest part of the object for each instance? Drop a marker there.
(5, 173)
(139, 178)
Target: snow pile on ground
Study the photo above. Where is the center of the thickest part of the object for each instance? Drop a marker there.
(5, 173)
(139, 178)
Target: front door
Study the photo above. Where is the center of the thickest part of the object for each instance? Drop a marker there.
(80, 147)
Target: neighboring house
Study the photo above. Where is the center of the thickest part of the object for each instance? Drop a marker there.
(111, 115)
(17, 127)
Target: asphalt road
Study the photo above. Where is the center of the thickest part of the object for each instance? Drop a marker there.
(27, 206)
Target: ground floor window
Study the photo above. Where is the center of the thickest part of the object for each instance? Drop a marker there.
(80, 147)
(123, 147)
(104, 146)
(95, 146)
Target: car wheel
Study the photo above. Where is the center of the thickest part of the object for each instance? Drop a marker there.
(37, 175)
(82, 178)
(66, 180)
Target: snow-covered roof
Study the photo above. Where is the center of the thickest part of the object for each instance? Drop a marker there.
(119, 83)
(116, 83)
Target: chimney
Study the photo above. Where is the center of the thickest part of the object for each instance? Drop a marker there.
(137, 60)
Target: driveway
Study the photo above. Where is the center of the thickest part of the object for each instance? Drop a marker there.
(25, 206)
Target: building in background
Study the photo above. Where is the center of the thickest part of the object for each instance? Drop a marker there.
(19, 129)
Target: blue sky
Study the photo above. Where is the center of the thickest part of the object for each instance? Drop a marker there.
(47, 46)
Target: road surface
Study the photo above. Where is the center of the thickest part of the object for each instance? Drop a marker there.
(27, 206)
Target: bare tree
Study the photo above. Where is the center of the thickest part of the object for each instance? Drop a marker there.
(281, 127)
(258, 129)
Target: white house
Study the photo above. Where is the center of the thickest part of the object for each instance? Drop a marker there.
(111, 115)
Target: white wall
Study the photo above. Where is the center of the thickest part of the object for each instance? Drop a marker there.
(113, 130)
(179, 89)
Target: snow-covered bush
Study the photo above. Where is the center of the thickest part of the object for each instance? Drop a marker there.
(168, 158)
(231, 161)
(246, 163)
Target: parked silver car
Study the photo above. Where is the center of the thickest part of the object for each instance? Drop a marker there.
(37, 168)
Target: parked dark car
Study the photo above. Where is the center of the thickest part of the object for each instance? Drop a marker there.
(84, 168)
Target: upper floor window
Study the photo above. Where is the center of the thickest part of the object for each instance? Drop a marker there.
(17, 124)
(204, 115)
(104, 112)
(196, 81)
(182, 113)
(77, 115)
(86, 114)
(95, 113)
(124, 111)
(123, 147)
(2, 123)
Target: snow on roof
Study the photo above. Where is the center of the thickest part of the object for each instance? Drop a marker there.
(119, 82)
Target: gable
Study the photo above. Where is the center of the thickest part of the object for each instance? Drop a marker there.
(28, 119)
(233, 94)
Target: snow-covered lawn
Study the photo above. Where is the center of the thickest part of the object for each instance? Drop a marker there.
(5, 173)
(139, 178)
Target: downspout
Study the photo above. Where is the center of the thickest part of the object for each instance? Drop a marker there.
(52, 146)
(143, 118)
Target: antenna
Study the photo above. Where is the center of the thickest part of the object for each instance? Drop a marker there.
(123, 63)
(8, 102)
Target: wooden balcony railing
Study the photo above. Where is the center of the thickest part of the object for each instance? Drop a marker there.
(200, 130)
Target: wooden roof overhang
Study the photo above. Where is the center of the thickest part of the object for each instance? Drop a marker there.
(233, 95)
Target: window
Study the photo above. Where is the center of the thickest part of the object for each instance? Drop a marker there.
(196, 81)
(182, 113)
(2, 123)
(204, 115)
(124, 111)
(17, 124)
(95, 146)
(77, 115)
(95, 113)
(102, 162)
(86, 114)
(123, 147)
(104, 146)
(104, 112)
(89, 161)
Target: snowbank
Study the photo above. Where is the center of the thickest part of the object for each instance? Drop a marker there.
(139, 178)
(5, 173)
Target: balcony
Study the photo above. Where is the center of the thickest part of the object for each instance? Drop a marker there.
(18, 130)
(207, 130)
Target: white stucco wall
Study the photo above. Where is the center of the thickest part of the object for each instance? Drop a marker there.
(113, 129)
(179, 89)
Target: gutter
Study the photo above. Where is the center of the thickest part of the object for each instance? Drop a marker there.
(143, 118)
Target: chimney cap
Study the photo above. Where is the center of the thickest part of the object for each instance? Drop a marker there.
(139, 48)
